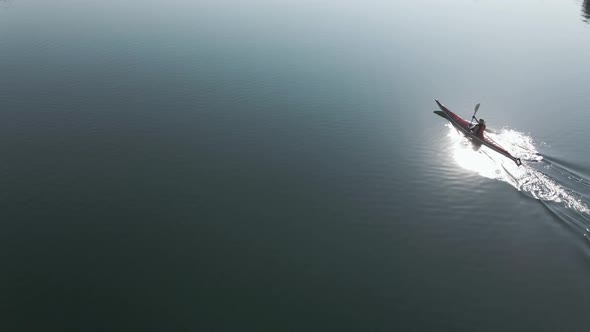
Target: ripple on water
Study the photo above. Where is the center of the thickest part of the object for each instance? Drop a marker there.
(565, 193)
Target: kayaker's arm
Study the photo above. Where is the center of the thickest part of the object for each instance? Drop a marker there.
(472, 125)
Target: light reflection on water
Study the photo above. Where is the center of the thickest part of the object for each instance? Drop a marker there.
(563, 192)
(487, 162)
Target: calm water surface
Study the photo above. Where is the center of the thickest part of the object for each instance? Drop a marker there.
(276, 165)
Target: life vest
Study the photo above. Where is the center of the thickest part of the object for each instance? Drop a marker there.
(479, 129)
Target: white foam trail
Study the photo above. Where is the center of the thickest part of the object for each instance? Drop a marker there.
(534, 183)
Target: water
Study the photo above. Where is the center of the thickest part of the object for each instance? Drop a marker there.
(563, 191)
(276, 165)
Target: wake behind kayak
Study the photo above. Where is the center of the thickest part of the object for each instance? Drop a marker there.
(464, 126)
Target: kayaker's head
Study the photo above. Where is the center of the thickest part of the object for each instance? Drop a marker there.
(481, 121)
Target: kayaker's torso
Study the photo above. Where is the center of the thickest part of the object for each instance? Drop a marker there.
(478, 129)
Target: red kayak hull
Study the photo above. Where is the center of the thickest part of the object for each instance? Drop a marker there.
(463, 126)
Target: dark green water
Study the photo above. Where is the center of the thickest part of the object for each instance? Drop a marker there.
(275, 165)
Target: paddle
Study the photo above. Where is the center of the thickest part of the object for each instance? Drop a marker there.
(473, 116)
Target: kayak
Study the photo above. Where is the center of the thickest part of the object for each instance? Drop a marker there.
(463, 126)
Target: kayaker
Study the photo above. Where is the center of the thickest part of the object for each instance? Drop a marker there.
(479, 128)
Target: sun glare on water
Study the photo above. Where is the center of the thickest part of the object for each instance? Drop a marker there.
(482, 160)
(545, 182)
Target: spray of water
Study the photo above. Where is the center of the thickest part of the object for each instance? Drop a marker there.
(562, 191)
